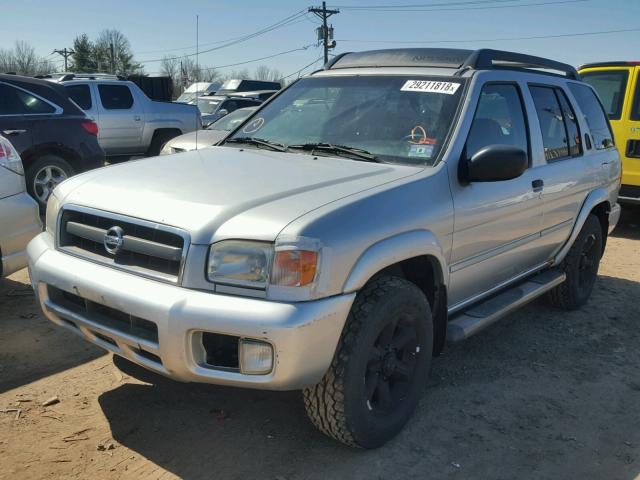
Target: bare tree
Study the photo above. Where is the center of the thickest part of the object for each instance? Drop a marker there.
(267, 73)
(23, 60)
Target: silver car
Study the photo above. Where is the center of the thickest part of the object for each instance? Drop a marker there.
(19, 216)
(210, 135)
(336, 239)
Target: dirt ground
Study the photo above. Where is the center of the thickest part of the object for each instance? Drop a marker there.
(543, 394)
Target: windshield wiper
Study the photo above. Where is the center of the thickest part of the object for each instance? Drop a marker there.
(359, 153)
(260, 142)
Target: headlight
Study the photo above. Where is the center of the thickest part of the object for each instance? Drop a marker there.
(240, 263)
(284, 267)
(53, 206)
(166, 150)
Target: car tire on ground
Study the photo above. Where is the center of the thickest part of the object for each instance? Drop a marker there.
(44, 175)
(581, 267)
(158, 141)
(380, 366)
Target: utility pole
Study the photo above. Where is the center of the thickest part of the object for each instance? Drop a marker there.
(325, 32)
(113, 59)
(66, 53)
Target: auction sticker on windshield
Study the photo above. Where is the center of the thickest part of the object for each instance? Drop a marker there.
(430, 86)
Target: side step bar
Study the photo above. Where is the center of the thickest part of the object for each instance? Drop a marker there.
(481, 315)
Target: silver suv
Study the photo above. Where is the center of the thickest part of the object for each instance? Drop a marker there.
(338, 237)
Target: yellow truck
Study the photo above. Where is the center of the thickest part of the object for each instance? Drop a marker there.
(618, 85)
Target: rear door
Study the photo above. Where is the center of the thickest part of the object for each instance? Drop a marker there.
(83, 94)
(121, 119)
(16, 119)
(567, 173)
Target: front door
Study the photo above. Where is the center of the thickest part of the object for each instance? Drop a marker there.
(497, 224)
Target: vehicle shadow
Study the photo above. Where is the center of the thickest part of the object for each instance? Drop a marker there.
(542, 394)
(30, 345)
(629, 224)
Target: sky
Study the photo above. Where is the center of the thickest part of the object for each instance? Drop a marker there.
(157, 27)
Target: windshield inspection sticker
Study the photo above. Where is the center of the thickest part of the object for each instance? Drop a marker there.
(430, 86)
(253, 125)
(421, 151)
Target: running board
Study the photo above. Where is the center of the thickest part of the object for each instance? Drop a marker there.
(481, 315)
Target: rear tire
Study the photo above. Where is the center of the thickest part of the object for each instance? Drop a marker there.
(581, 268)
(158, 141)
(380, 367)
(44, 175)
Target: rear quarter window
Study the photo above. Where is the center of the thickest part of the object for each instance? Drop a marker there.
(594, 115)
(611, 87)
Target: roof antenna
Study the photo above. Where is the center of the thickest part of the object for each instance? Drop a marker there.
(197, 78)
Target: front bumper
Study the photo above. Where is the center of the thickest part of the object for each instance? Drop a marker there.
(303, 335)
(20, 222)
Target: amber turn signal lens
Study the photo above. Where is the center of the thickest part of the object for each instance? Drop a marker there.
(294, 268)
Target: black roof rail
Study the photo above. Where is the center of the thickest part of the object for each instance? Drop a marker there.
(488, 59)
(610, 64)
(483, 59)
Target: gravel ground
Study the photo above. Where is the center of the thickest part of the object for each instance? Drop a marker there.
(543, 394)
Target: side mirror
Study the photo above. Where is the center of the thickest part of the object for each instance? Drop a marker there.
(494, 163)
(222, 112)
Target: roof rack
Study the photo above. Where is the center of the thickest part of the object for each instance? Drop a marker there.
(610, 64)
(483, 59)
(64, 77)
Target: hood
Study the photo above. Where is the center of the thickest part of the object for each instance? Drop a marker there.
(226, 192)
(206, 138)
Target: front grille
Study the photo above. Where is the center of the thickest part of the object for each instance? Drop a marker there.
(104, 316)
(147, 248)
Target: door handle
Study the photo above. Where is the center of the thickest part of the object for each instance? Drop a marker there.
(537, 185)
(136, 118)
(13, 132)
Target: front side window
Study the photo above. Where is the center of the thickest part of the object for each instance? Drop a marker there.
(397, 119)
(14, 101)
(635, 109)
(594, 115)
(115, 97)
(499, 120)
(81, 95)
(571, 124)
(611, 87)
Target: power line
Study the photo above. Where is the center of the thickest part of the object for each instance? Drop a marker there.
(258, 59)
(534, 37)
(297, 72)
(390, 9)
(282, 23)
(425, 5)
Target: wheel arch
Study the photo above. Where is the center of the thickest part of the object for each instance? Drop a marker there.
(415, 256)
(597, 203)
(30, 156)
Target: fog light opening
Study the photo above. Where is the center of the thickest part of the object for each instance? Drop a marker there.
(256, 358)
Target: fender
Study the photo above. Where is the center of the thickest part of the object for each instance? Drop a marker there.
(594, 198)
(393, 250)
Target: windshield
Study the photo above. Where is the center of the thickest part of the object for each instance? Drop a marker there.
(232, 120)
(208, 105)
(398, 119)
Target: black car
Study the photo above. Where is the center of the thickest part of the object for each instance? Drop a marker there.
(53, 135)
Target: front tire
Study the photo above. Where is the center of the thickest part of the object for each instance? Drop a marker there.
(380, 367)
(581, 267)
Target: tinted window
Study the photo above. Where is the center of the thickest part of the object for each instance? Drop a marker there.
(554, 133)
(611, 87)
(229, 106)
(499, 120)
(593, 114)
(14, 101)
(115, 97)
(635, 110)
(81, 95)
(571, 123)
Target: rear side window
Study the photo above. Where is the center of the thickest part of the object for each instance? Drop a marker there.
(499, 120)
(594, 115)
(611, 87)
(81, 95)
(635, 109)
(14, 101)
(558, 124)
(115, 97)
